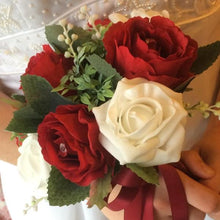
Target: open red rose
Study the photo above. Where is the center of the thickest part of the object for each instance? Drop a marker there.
(49, 65)
(69, 141)
(153, 49)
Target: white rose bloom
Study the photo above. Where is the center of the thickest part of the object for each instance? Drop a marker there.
(140, 12)
(144, 14)
(143, 123)
(32, 166)
(116, 17)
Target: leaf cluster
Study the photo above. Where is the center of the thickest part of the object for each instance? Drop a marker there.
(91, 80)
(64, 192)
(38, 100)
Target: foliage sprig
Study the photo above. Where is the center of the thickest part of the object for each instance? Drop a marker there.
(204, 108)
(85, 83)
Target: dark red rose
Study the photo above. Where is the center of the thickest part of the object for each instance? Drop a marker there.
(103, 22)
(153, 49)
(69, 141)
(49, 65)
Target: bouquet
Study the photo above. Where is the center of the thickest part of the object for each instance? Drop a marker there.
(103, 106)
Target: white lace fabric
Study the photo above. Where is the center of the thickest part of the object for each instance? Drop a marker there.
(22, 22)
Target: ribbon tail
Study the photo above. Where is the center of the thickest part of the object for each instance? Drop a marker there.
(148, 211)
(141, 207)
(176, 192)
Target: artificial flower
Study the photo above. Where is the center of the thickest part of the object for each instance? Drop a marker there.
(69, 141)
(32, 167)
(154, 49)
(143, 123)
(49, 65)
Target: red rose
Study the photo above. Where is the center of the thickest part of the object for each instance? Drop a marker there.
(49, 65)
(153, 49)
(103, 22)
(69, 141)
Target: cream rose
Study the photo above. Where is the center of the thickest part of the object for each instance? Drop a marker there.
(32, 166)
(117, 17)
(143, 123)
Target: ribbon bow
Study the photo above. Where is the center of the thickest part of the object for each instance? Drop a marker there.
(136, 196)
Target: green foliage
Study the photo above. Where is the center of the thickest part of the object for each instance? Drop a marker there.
(99, 189)
(52, 32)
(148, 174)
(84, 37)
(63, 192)
(206, 57)
(104, 68)
(92, 77)
(25, 120)
(205, 109)
(20, 136)
(40, 101)
(183, 87)
(19, 98)
(38, 94)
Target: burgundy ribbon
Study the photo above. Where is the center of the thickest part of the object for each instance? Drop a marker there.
(136, 196)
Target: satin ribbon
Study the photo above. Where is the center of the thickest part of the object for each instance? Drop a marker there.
(136, 196)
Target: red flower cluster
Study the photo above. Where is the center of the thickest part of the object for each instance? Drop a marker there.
(153, 49)
(69, 141)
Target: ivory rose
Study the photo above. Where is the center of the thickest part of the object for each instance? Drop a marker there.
(32, 166)
(143, 123)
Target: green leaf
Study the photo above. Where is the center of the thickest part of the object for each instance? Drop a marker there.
(182, 87)
(86, 78)
(64, 192)
(206, 57)
(52, 32)
(25, 120)
(85, 99)
(19, 98)
(104, 68)
(99, 189)
(81, 52)
(79, 80)
(101, 97)
(148, 174)
(90, 70)
(38, 94)
(58, 88)
(108, 93)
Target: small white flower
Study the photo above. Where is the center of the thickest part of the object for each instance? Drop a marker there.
(67, 54)
(70, 26)
(74, 37)
(61, 38)
(63, 22)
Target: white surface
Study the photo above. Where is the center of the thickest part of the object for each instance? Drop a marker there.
(17, 194)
